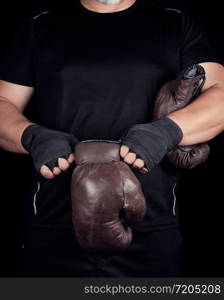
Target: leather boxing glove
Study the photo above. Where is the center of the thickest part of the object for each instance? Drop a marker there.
(174, 95)
(106, 198)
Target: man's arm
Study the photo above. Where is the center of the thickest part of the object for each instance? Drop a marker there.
(203, 119)
(13, 100)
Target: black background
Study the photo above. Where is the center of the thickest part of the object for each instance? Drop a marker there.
(201, 194)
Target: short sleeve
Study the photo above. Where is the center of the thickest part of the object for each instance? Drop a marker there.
(195, 47)
(16, 65)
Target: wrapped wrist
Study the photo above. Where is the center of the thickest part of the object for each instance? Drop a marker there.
(153, 140)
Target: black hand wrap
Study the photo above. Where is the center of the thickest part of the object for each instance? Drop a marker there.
(46, 145)
(153, 140)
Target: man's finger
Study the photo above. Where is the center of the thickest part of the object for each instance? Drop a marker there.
(71, 158)
(46, 172)
(144, 170)
(63, 164)
(130, 158)
(138, 163)
(56, 171)
(124, 151)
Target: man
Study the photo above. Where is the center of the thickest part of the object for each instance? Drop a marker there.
(94, 70)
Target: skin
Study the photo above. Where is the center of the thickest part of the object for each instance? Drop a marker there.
(200, 121)
(97, 6)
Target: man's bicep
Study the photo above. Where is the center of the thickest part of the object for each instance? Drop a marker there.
(18, 95)
(214, 75)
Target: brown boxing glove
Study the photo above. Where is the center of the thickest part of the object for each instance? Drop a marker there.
(106, 198)
(174, 95)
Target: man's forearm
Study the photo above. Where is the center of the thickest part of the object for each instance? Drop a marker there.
(12, 124)
(203, 119)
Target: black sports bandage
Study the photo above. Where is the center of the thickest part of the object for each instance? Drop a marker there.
(153, 140)
(46, 145)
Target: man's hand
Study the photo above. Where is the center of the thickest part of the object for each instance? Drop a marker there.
(51, 150)
(131, 159)
(63, 165)
(151, 141)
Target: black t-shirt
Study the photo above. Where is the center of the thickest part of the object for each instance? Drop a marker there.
(95, 75)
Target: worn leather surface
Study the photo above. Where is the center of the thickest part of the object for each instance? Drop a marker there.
(106, 198)
(175, 95)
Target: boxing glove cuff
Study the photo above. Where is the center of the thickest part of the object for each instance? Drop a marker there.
(97, 151)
